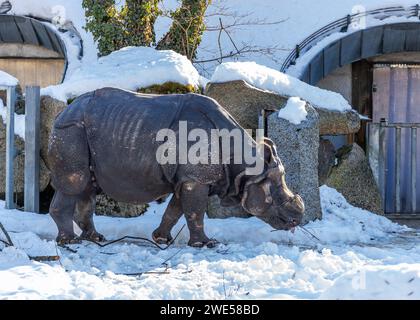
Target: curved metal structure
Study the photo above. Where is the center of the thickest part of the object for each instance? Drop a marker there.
(342, 25)
(25, 30)
(392, 38)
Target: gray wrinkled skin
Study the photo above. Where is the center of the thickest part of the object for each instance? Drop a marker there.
(106, 140)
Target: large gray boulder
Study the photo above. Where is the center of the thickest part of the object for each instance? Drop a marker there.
(215, 210)
(326, 160)
(297, 146)
(19, 177)
(353, 178)
(19, 142)
(337, 123)
(109, 207)
(244, 102)
(50, 108)
(19, 163)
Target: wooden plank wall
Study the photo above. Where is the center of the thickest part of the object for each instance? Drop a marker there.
(34, 72)
(362, 75)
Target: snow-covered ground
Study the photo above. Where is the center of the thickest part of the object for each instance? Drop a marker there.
(357, 255)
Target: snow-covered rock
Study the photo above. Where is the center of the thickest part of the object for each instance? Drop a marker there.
(130, 68)
(275, 81)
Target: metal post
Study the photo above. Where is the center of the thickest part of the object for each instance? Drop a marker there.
(413, 169)
(382, 162)
(10, 146)
(372, 148)
(397, 170)
(32, 142)
(261, 120)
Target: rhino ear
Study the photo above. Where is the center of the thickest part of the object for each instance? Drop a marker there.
(270, 153)
(257, 198)
(229, 201)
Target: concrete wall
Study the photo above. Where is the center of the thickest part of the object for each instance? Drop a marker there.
(340, 80)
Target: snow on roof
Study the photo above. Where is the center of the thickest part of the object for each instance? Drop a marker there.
(275, 81)
(66, 15)
(302, 62)
(7, 79)
(130, 68)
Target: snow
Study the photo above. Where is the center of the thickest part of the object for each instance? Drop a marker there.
(358, 255)
(19, 120)
(294, 111)
(272, 80)
(130, 68)
(7, 79)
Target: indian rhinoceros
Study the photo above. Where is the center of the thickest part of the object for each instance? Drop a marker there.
(105, 141)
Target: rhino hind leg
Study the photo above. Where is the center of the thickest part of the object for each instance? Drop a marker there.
(61, 210)
(173, 213)
(83, 215)
(68, 156)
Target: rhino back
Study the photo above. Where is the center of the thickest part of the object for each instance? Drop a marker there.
(121, 128)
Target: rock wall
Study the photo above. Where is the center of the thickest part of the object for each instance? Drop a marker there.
(297, 146)
(353, 177)
(244, 102)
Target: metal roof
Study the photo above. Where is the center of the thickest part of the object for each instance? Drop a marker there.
(24, 30)
(363, 44)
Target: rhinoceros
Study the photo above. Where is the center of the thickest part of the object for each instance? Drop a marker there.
(106, 141)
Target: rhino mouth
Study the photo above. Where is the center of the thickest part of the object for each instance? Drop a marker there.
(281, 223)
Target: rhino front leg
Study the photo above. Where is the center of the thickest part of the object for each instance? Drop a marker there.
(173, 213)
(194, 197)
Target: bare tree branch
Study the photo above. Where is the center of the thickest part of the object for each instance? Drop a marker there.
(230, 21)
(9, 242)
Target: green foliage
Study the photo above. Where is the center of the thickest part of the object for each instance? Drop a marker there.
(168, 88)
(105, 24)
(133, 25)
(114, 29)
(70, 100)
(140, 17)
(187, 28)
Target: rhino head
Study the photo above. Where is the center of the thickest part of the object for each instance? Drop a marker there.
(267, 197)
